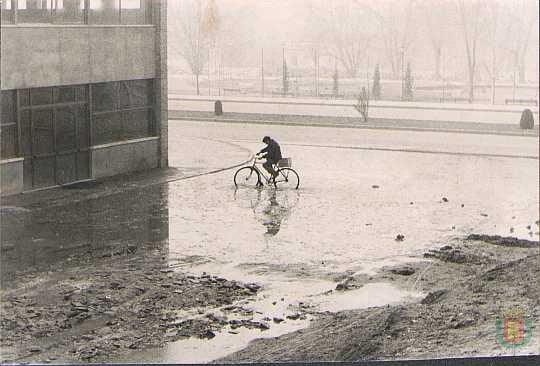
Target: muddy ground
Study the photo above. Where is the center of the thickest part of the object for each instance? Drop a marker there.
(82, 313)
(90, 313)
(469, 285)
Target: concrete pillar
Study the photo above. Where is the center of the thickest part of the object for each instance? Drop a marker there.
(159, 15)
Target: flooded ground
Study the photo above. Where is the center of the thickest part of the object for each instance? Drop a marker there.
(368, 200)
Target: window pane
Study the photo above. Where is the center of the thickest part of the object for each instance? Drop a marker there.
(133, 12)
(135, 93)
(7, 11)
(65, 94)
(136, 124)
(70, 11)
(84, 130)
(66, 123)
(107, 128)
(26, 134)
(41, 96)
(24, 97)
(44, 172)
(8, 107)
(66, 168)
(8, 134)
(83, 165)
(35, 11)
(27, 173)
(43, 131)
(104, 12)
(104, 97)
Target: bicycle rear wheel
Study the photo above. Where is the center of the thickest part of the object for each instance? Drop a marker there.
(246, 177)
(287, 178)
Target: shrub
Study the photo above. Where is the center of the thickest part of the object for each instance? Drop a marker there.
(376, 91)
(527, 120)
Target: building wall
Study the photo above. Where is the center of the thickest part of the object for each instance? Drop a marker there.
(11, 176)
(44, 55)
(100, 50)
(125, 157)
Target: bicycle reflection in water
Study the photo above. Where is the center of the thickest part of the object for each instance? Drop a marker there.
(270, 207)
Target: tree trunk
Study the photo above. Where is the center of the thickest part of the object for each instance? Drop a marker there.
(521, 71)
(438, 54)
(493, 90)
(197, 78)
(471, 85)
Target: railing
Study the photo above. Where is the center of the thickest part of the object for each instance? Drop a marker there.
(521, 101)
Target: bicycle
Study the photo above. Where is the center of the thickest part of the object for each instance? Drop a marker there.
(250, 176)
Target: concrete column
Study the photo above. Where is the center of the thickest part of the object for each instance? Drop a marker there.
(159, 15)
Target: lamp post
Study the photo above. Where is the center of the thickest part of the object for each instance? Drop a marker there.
(402, 73)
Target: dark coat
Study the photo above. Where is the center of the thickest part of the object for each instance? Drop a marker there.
(273, 151)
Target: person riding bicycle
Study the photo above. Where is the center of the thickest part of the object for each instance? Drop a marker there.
(273, 155)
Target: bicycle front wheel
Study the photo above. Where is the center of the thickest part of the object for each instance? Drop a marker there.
(287, 178)
(246, 177)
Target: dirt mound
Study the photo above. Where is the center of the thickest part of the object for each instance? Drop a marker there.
(506, 241)
(455, 255)
(449, 322)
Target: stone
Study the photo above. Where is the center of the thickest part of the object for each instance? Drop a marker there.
(208, 334)
(404, 270)
(253, 287)
(294, 316)
(434, 297)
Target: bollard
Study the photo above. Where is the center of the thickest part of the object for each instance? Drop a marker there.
(527, 120)
(218, 108)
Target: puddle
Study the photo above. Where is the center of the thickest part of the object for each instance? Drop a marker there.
(201, 351)
(370, 295)
(282, 295)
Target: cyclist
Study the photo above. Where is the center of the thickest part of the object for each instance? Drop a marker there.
(272, 153)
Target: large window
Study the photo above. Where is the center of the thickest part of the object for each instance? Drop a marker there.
(122, 110)
(54, 134)
(76, 11)
(53, 128)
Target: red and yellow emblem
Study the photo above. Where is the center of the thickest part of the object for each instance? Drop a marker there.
(514, 329)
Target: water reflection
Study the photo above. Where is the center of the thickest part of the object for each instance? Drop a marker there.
(271, 207)
(121, 224)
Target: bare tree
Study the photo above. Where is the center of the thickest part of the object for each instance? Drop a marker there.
(192, 39)
(522, 16)
(342, 30)
(436, 14)
(470, 15)
(492, 63)
(396, 29)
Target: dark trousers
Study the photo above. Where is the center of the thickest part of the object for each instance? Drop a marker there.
(268, 165)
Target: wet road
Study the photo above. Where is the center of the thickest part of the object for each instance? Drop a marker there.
(337, 216)
(358, 190)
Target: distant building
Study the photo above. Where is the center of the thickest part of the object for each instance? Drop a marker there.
(84, 90)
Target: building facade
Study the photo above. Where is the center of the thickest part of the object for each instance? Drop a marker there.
(83, 90)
